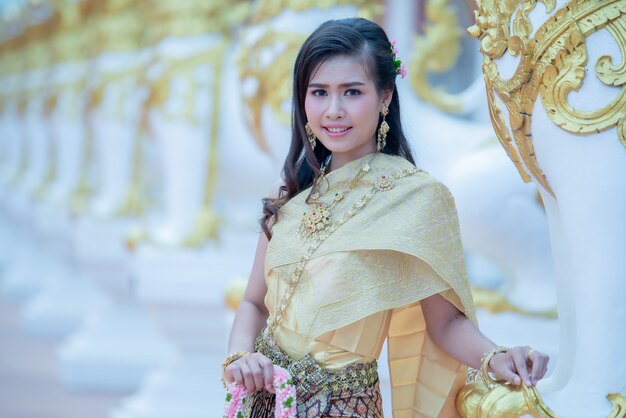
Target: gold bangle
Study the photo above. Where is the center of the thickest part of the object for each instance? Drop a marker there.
(230, 359)
(485, 364)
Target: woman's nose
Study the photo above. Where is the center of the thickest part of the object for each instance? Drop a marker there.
(335, 108)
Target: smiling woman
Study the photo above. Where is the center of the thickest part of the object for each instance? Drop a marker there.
(359, 246)
(342, 107)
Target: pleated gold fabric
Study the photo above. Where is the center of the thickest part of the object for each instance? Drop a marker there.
(365, 281)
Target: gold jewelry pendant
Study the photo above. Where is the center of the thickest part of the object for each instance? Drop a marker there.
(314, 220)
(384, 183)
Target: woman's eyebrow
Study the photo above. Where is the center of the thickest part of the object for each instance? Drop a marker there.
(348, 84)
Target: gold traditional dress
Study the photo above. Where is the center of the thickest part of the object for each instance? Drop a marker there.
(363, 284)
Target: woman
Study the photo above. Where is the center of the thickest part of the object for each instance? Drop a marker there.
(359, 246)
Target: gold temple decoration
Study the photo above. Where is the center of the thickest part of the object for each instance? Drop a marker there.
(495, 302)
(475, 400)
(192, 19)
(552, 64)
(233, 295)
(272, 77)
(619, 405)
(69, 40)
(36, 98)
(266, 9)
(175, 18)
(207, 223)
(119, 28)
(436, 50)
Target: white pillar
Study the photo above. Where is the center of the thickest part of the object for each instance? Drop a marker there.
(65, 297)
(118, 344)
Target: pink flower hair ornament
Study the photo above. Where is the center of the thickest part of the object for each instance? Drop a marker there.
(237, 396)
(400, 67)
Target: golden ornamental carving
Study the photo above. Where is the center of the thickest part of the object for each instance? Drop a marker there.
(552, 64)
(619, 405)
(476, 400)
(207, 223)
(266, 9)
(271, 79)
(69, 40)
(495, 302)
(193, 17)
(436, 51)
(84, 189)
(119, 26)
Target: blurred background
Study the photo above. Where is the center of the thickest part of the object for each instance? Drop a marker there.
(137, 139)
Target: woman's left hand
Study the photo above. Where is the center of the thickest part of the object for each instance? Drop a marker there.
(520, 364)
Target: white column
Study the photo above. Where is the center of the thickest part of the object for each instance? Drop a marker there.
(117, 344)
(184, 286)
(23, 277)
(65, 297)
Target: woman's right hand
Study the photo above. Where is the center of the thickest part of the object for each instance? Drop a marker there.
(254, 371)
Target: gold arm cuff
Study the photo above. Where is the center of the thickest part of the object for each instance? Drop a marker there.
(229, 359)
(487, 378)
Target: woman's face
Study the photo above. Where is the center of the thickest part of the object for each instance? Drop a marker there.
(342, 107)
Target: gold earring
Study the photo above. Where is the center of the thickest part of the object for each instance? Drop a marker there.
(383, 130)
(310, 135)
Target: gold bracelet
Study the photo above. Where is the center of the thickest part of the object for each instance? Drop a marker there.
(230, 359)
(485, 364)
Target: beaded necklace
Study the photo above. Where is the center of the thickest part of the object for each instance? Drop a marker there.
(382, 184)
(319, 217)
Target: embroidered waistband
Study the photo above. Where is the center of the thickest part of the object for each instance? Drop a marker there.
(310, 378)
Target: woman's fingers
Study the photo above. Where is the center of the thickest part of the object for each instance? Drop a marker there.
(233, 374)
(517, 366)
(254, 371)
(539, 363)
(503, 368)
(268, 373)
(248, 377)
(257, 373)
(519, 356)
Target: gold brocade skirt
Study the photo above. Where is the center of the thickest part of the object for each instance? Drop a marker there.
(349, 392)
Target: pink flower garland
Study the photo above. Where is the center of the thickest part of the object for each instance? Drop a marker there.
(238, 395)
(400, 67)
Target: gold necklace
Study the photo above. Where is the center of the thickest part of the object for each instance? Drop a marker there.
(383, 184)
(319, 217)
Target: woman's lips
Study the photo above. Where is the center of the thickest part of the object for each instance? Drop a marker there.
(336, 131)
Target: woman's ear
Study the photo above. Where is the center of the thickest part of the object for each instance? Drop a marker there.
(387, 95)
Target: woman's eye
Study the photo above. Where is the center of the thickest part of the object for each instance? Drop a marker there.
(352, 92)
(318, 93)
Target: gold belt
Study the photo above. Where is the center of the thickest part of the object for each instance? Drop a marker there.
(310, 378)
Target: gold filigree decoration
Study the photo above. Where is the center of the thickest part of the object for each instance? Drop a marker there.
(271, 79)
(619, 405)
(501, 401)
(266, 9)
(552, 65)
(436, 51)
(207, 223)
(495, 302)
(170, 18)
(508, 401)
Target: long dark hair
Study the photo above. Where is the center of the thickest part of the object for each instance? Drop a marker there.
(354, 37)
